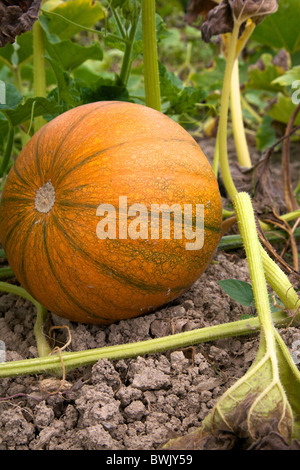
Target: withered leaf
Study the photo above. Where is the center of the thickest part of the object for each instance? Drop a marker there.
(220, 20)
(16, 18)
(199, 8)
(260, 184)
(257, 10)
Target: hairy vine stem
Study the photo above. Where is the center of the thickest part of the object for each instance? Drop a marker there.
(151, 74)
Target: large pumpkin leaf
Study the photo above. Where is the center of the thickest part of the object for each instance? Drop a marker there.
(34, 107)
(282, 110)
(265, 135)
(290, 77)
(281, 29)
(66, 91)
(264, 77)
(12, 98)
(70, 54)
(19, 51)
(177, 98)
(20, 111)
(79, 12)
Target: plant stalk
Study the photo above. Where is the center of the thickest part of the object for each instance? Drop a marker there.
(72, 360)
(247, 226)
(237, 119)
(223, 122)
(280, 282)
(151, 73)
(127, 62)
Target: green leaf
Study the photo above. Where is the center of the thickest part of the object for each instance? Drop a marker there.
(281, 29)
(170, 84)
(22, 48)
(290, 379)
(67, 92)
(104, 89)
(7, 52)
(288, 78)
(81, 12)
(180, 99)
(265, 135)
(13, 98)
(31, 108)
(161, 33)
(186, 100)
(265, 79)
(211, 78)
(239, 291)
(70, 54)
(282, 110)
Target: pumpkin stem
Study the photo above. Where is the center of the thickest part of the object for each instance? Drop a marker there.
(45, 198)
(151, 70)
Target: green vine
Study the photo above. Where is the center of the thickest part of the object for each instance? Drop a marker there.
(151, 73)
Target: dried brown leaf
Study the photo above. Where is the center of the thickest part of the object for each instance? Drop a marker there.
(237, 437)
(257, 10)
(220, 20)
(16, 18)
(199, 8)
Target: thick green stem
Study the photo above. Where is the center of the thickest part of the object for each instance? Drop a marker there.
(223, 122)
(280, 283)
(151, 73)
(216, 159)
(72, 360)
(8, 148)
(274, 275)
(247, 227)
(39, 70)
(237, 119)
(250, 110)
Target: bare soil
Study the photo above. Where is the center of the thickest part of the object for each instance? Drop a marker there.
(132, 404)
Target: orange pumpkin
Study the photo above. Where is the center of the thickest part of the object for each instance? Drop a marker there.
(49, 214)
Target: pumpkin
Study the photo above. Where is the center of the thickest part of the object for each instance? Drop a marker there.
(56, 194)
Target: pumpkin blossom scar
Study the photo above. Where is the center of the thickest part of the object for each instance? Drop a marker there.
(45, 198)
